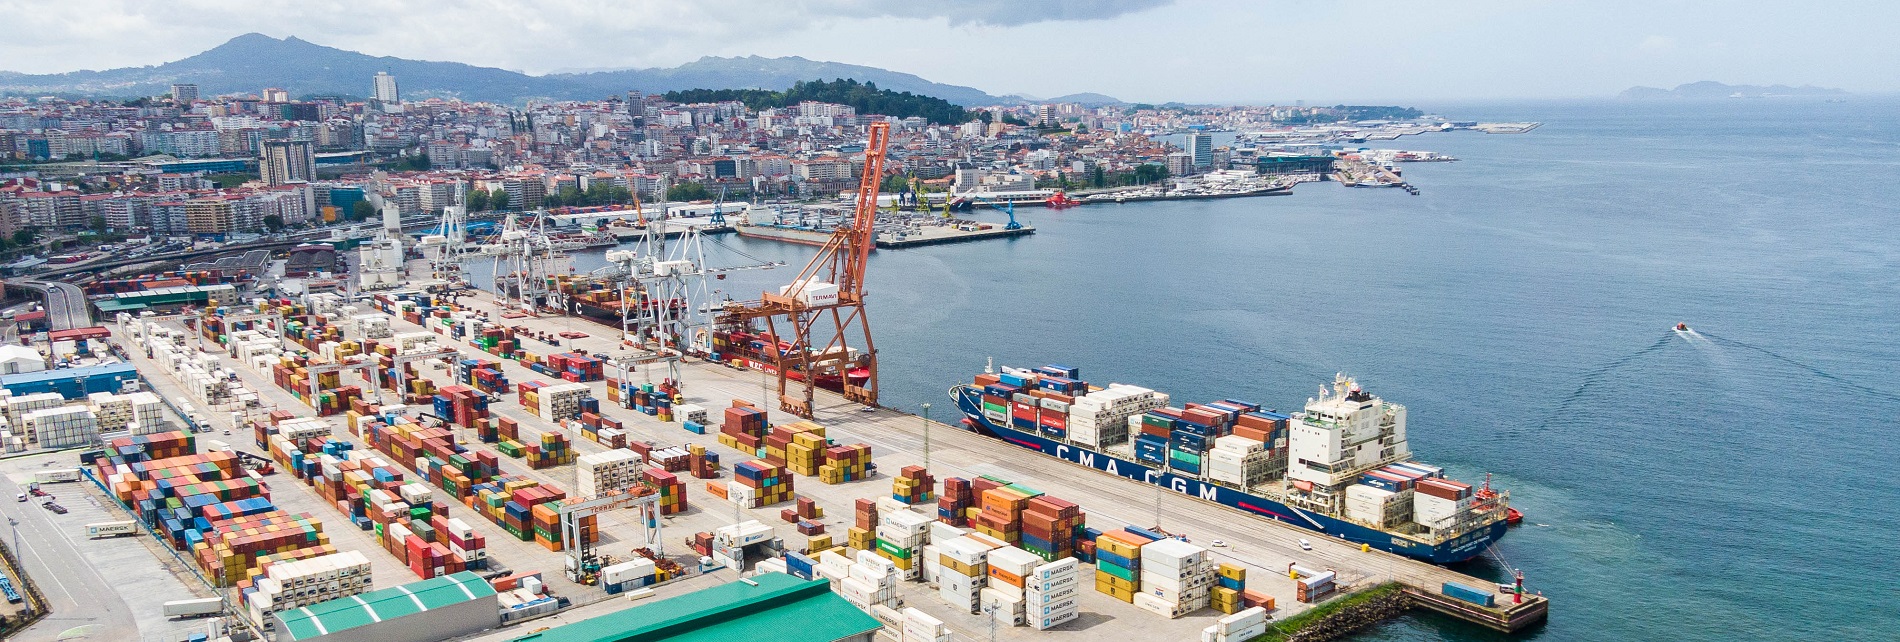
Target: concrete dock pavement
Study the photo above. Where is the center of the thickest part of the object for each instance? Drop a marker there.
(1264, 546)
(106, 589)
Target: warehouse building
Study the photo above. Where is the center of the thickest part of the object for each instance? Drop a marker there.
(771, 606)
(443, 608)
(72, 383)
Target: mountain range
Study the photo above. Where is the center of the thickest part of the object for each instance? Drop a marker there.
(1712, 89)
(252, 62)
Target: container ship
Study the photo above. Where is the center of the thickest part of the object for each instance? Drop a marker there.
(1340, 467)
(746, 346)
(600, 298)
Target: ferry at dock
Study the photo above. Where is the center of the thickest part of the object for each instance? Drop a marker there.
(1340, 467)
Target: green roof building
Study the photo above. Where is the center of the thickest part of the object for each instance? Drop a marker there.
(775, 606)
(442, 608)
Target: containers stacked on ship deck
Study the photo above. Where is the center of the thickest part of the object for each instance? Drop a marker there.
(1100, 419)
(1176, 578)
(1118, 564)
(1437, 502)
(1050, 593)
(913, 485)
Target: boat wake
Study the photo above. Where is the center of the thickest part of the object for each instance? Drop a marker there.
(1596, 376)
(1871, 392)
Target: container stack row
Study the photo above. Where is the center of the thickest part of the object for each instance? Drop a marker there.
(576, 367)
(671, 489)
(295, 584)
(913, 485)
(759, 483)
(602, 430)
(614, 470)
(799, 446)
(461, 405)
(742, 428)
(901, 535)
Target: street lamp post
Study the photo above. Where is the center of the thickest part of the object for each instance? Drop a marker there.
(926, 436)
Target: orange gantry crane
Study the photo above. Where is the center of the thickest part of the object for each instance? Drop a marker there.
(828, 296)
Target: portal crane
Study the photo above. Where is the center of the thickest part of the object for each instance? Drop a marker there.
(831, 286)
(582, 563)
(719, 208)
(1008, 207)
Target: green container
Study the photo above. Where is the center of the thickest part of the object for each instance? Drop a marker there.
(994, 407)
(892, 549)
(1025, 490)
(1114, 570)
(1184, 457)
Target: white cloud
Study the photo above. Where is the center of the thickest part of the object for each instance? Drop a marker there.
(1195, 50)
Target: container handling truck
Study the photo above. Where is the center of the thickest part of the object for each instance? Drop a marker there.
(111, 529)
(194, 608)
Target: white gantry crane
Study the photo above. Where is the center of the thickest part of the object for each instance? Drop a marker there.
(525, 260)
(664, 296)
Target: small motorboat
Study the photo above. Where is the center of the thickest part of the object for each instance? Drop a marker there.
(1682, 327)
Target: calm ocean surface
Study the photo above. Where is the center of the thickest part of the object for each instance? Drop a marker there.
(1735, 483)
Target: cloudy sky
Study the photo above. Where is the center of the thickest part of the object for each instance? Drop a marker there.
(1142, 50)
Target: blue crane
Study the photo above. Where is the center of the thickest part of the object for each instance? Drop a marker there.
(719, 208)
(1008, 207)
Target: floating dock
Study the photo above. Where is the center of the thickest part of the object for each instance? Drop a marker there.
(926, 235)
(937, 235)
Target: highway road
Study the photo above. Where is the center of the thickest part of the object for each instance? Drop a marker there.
(65, 304)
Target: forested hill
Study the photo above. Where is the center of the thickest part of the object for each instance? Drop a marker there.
(865, 97)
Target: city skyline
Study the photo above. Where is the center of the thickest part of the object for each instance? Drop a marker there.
(1367, 51)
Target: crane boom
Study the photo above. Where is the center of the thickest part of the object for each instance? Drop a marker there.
(840, 263)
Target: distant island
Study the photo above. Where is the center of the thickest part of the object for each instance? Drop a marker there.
(1712, 89)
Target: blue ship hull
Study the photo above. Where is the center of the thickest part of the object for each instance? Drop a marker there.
(1460, 549)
